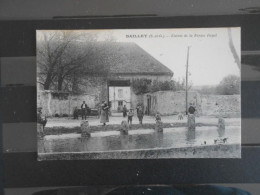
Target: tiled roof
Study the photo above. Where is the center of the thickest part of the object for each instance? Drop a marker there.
(125, 58)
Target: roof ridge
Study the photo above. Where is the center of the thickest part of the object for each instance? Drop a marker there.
(125, 58)
(155, 59)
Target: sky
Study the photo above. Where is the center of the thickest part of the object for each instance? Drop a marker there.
(210, 58)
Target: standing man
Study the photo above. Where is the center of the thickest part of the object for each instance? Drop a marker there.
(140, 114)
(84, 107)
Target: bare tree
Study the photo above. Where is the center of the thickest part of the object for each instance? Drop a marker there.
(65, 57)
(50, 51)
(71, 65)
(59, 56)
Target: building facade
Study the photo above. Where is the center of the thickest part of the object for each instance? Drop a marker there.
(125, 62)
(119, 64)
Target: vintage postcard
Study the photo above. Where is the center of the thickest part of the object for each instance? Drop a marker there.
(138, 93)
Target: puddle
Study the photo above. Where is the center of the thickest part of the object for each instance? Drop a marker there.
(137, 139)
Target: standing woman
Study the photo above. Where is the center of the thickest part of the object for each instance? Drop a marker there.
(104, 113)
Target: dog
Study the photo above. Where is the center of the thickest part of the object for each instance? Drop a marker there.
(224, 140)
(180, 116)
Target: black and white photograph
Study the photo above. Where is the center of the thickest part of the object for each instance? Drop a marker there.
(138, 93)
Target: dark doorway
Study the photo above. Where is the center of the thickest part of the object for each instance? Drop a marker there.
(148, 104)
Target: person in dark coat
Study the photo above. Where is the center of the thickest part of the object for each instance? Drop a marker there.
(84, 108)
(191, 109)
(140, 114)
(40, 119)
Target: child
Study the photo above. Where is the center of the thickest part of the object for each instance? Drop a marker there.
(158, 124)
(130, 116)
(157, 117)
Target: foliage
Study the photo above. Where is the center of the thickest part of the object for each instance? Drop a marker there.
(141, 86)
(229, 85)
(163, 86)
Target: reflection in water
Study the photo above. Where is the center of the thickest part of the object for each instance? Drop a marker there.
(124, 142)
(41, 148)
(84, 144)
(221, 132)
(191, 135)
(171, 137)
(158, 136)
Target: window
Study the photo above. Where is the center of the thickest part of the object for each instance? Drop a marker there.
(120, 103)
(120, 93)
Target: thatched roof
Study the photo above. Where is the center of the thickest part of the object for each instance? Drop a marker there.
(125, 58)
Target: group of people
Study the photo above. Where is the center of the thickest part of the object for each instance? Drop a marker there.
(104, 112)
(130, 114)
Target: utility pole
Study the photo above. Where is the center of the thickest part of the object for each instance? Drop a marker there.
(187, 72)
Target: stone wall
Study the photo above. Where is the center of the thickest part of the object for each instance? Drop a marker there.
(97, 87)
(63, 103)
(225, 105)
(169, 102)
